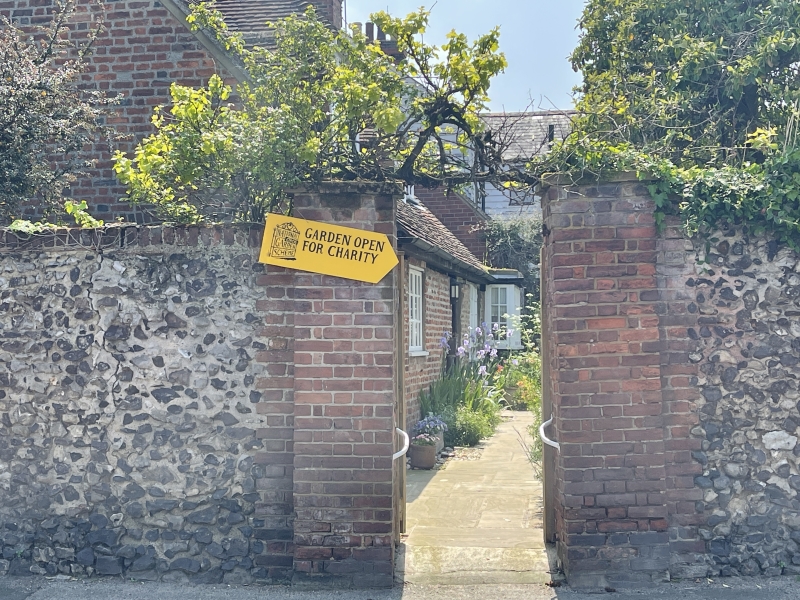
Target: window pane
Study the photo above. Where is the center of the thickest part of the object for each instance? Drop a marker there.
(415, 325)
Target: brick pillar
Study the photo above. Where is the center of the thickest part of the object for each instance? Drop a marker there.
(679, 375)
(611, 516)
(276, 389)
(344, 388)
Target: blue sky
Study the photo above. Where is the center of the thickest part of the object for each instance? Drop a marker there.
(537, 36)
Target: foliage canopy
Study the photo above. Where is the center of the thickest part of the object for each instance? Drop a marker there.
(516, 244)
(702, 96)
(320, 105)
(45, 118)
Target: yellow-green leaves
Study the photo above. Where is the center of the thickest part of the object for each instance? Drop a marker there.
(699, 95)
(320, 105)
(80, 212)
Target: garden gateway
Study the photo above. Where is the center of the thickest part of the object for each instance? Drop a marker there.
(232, 420)
(171, 406)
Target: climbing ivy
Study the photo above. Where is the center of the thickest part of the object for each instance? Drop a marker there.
(701, 98)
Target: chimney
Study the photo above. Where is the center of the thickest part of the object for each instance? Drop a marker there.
(370, 31)
(330, 11)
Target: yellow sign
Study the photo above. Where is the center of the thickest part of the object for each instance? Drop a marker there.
(327, 249)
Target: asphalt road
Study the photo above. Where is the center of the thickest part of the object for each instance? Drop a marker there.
(30, 588)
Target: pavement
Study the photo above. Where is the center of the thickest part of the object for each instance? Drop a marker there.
(477, 521)
(38, 588)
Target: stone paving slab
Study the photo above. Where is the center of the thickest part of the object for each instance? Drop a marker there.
(477, 521)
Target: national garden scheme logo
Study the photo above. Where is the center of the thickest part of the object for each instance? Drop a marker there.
(327, 249)
(284, 242)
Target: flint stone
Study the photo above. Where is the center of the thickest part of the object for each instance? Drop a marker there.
(160, 474)
(715, 520)
(20, 566)
(227, 418)
(107, 537)
(108, 565)
(173, 548)
(721, 482)
(228, 565)
(719, 547)
(118, 333)
(127, 551)
(213, 575)
(779, 440)
(144, 563)
(204, 517)
(134, 509)
(174, 321)
(188, 565)
(85, 557)
(736, 470)
(98, 520)
(161, 505)
(164, 395)
(237, 548)
(181, 377)
(203, 535)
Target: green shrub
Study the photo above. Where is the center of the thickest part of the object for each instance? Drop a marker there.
(467, 403)
(467, 427)
(526, 373)
(443, 394)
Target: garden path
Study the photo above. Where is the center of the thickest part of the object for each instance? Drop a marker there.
(477, 521)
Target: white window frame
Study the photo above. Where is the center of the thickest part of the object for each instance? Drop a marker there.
(513, 305)
(416, 311)
(473, 307)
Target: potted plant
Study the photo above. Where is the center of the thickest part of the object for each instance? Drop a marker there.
(431, 425)
(422, 451)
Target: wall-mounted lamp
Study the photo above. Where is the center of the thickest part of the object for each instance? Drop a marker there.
(454, 289)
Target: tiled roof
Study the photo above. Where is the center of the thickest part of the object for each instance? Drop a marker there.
(416, 221)
(526, 133)
(251, 16)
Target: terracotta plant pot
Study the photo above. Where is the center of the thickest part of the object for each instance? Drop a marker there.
(422, 457)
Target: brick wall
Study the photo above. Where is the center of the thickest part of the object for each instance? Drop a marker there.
(330, 10)
(421, 371)
(612, 471)
(674, 368)
(344, 396)
(679, 378)
(142, 50)
(459, 215)
(276, 408)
